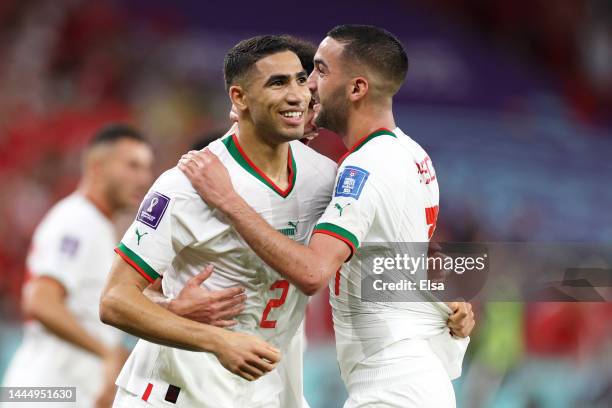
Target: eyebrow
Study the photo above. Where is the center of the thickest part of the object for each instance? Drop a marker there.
(284, 77)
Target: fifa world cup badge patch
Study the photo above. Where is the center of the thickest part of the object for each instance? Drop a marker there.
(152, 209)
(351, 182)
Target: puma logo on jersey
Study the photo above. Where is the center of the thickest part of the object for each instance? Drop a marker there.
(291, 231)
(139, 236)
(341, 208)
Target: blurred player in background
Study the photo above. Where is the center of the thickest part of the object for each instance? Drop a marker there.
(386, 191)
(289, 184)
(65, 344)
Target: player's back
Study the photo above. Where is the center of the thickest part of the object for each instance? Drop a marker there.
(184, 235)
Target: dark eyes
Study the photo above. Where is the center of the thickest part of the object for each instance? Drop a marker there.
(279, 82)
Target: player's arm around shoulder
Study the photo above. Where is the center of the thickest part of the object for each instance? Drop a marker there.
(307, 267)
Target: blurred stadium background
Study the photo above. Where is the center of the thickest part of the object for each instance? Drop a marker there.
(511, 98)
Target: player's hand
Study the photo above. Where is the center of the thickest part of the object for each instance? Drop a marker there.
(461, 322)
(197, 303)
(247, 356)
(208, 176)
(106, 395)
(112, 363)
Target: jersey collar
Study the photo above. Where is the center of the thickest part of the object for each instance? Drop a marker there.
(234, 149)
(364, 140)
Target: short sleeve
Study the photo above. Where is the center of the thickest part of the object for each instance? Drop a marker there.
(57, 251)
(158, 233)
(351, 211)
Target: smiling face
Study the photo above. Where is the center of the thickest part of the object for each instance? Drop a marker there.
(277, 96)
(328, 83)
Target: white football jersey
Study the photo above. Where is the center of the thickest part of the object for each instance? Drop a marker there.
(74, 245)
(386, 192)
(176, 234)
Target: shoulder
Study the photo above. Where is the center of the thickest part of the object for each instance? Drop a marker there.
(409, 143)
(378, 154)
(173, 194)
(173, 183)
(382, 161)
(69, 217)
(72, 210)
(219, 146)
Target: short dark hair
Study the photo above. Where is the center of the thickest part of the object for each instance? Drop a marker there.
(114, 132)
(375, 48)
(305, 51)
(243, 56)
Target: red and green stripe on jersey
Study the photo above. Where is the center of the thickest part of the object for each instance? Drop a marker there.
(364, 140)
(136, 262)
(340, 233)
(236, 151)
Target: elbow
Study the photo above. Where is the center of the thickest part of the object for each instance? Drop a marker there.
(30, 307)
(314, 281)
(109, 310)
(309, 289)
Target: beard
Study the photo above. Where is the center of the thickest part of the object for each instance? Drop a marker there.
(117, 195)
(334, 114)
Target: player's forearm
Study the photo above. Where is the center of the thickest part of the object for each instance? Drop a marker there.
(57, 319)
(302, 266)
(125, 307)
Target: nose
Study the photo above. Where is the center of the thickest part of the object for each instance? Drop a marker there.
(311, 82)
(297, 94)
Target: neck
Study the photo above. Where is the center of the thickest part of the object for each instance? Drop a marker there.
(93, 192)
(269, 157)
(366, 120)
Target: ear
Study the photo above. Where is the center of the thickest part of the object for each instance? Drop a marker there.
(238, 98)
(358, 88)
(95, 161)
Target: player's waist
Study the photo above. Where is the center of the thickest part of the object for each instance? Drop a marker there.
(395, 363)
(199, 377)
(420, 319)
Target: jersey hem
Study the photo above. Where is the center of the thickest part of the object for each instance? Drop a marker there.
(136, 262)
(340, 233)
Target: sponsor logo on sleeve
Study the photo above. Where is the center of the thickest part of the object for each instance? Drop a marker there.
(139, 235)
(341, 208)
(152, 209)
(351, 182)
